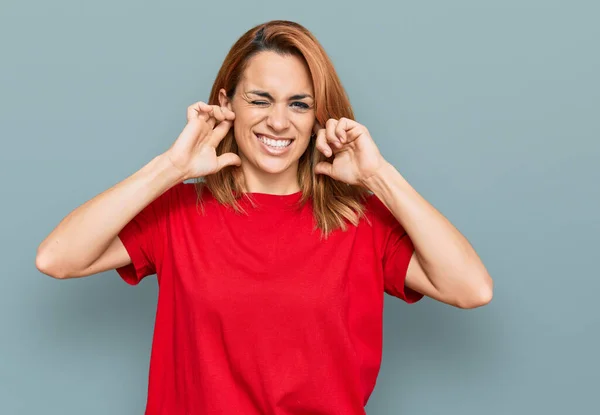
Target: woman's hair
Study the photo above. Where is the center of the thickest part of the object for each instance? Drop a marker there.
(334, 202)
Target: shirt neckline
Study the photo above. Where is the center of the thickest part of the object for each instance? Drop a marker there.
(275, 200)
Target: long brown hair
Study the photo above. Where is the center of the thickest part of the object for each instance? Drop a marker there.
(334, 202)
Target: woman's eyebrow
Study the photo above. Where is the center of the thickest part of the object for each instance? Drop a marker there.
(265, 94)
(301, 96)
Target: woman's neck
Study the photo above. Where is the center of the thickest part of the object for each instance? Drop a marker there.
(283, 183)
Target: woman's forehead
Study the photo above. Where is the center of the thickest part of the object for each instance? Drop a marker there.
(279, 75)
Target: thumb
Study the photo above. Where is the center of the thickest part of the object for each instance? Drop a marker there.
(228, 159)
(324, 168)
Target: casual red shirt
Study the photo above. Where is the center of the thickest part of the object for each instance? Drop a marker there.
(256, 313)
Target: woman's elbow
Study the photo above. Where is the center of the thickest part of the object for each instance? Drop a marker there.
(481, 295)
(47, 266)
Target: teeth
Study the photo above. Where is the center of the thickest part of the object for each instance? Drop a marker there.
(274, 143)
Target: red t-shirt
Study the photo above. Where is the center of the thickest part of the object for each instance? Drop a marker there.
(256, 313)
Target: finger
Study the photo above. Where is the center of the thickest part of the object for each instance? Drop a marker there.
(216, 112)
(228, 159)
(340, 129)
(352, 129)
(220, 131)
(197, 110)
(221, 113)
(204, 111)
(324, 168)
(229, 114)
(321, 143)
(332, 138)
(201, 111)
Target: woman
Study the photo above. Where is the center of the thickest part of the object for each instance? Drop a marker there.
(272, 268)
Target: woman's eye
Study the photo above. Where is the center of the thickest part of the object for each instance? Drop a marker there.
(297, 104)
(301, 105)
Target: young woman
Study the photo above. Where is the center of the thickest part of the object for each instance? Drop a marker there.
(271, 268)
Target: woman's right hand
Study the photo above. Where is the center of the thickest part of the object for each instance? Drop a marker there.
(194, 152)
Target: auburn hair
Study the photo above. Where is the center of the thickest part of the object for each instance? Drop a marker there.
(334, 203)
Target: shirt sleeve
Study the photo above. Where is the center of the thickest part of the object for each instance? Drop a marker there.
(143, 238)
(397, 252)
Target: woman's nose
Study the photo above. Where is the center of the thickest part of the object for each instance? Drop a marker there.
(278, 118)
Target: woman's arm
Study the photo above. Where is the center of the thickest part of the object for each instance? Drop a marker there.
(86, 241)
(444, 266)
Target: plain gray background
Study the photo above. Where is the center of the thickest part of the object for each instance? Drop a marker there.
(489, 109)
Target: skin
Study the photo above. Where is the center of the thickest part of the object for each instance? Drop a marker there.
(444, 265)
(287, 112)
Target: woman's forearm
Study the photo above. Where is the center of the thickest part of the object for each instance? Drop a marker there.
(85, 233)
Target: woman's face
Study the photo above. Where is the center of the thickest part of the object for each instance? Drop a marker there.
(274, 115)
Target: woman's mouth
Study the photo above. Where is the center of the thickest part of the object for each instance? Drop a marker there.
(274, 146)
(279, 143)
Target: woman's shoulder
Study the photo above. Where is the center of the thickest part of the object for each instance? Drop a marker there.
(376, 211)
(185, 194)
(180, 191)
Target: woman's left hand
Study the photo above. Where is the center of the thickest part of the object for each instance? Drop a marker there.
(355, 155)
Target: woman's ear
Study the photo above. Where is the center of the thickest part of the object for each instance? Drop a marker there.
(316, 127)
(223, 100)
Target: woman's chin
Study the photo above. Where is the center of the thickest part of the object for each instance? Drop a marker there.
(273, 165)
(273, 168)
